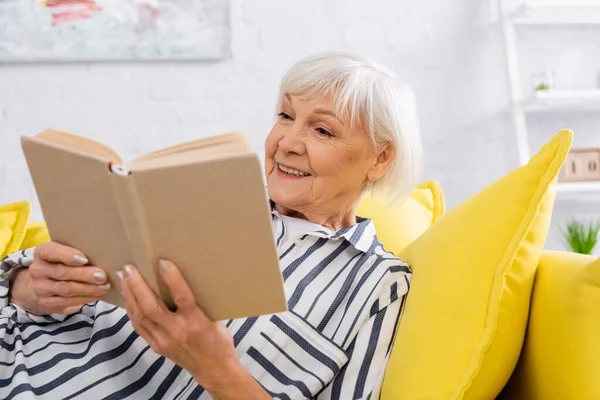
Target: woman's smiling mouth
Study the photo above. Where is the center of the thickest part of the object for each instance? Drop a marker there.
(289, 172)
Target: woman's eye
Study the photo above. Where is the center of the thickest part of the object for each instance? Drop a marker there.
(284, 115)
(324, 132)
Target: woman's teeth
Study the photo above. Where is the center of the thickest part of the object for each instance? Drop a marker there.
(292, 171)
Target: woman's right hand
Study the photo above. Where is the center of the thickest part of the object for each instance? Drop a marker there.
(57, 282)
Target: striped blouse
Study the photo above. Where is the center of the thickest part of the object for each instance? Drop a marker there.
(345, 296)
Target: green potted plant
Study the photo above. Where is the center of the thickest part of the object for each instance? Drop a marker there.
(542, 86)
(579, 237)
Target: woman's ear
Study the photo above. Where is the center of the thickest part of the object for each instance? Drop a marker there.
(382, 163)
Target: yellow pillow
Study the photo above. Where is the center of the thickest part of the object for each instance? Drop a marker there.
(13, 223)
(36, 233)
(467, 309)
(561, 357)
(398, 225)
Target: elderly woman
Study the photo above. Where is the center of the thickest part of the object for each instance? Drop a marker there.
(344, 126)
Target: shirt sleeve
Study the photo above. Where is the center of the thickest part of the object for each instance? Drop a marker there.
(362, 376)
(19, 259)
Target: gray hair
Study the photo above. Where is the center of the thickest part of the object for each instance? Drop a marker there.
(371, 96)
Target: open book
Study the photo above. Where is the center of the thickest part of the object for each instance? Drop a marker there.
(200, 204)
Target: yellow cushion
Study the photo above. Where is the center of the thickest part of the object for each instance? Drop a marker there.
(561, 357)
(398, 225)
(36, 233)
(466, 312)
(13, 223)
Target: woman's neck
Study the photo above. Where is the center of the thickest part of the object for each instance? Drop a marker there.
(334, 222)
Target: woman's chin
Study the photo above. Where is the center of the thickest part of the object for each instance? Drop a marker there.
(282, 193)
(278, 193)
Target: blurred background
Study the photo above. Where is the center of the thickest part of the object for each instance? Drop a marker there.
(494, 79)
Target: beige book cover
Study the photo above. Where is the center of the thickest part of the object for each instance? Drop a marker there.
(201, 204)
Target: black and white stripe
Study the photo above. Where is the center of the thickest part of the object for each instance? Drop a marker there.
(345, 295)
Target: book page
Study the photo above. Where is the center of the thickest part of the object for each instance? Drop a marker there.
(80, 143)
(201, 149)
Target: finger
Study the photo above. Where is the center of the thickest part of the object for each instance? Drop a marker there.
(59, 304)
(70, 310)
(145, 334)
(182, 295)
(138, 324)
(59, 253)
(60, 272)
(142, 325)
(135, 287)
(49, 288)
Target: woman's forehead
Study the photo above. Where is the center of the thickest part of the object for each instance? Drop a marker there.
(354, 119)
(309, 98)
(320, 102)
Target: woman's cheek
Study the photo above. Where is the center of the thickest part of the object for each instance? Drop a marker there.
(328, 161)
(269, 146)
(344, 157)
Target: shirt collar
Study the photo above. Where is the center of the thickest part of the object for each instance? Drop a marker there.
(360, 235)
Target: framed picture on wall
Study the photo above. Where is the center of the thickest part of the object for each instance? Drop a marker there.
(93, 30)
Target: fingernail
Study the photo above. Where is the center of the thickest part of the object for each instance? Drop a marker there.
(128, 270)
(164, 265)
(120, 276)
(99, 276)
(104, 287)
(80, 259)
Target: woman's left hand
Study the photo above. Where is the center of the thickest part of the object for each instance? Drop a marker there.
(187, 336)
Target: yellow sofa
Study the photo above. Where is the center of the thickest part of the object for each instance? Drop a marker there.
(560, 358)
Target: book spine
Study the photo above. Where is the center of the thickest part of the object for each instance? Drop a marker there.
(134, 223)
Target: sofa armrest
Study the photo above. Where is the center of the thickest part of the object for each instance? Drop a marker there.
(565, 259)
(561, 354)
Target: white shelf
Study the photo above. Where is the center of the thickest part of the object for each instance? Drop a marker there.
(551, 12)
(578, 189)
(563, 100)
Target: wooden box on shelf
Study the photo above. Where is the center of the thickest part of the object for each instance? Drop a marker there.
(581, 165)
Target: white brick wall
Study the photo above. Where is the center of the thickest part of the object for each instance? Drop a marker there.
(449, 51)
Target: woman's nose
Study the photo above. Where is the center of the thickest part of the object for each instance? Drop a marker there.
(292, 141)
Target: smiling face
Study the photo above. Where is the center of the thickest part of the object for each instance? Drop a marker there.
(317, 165)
